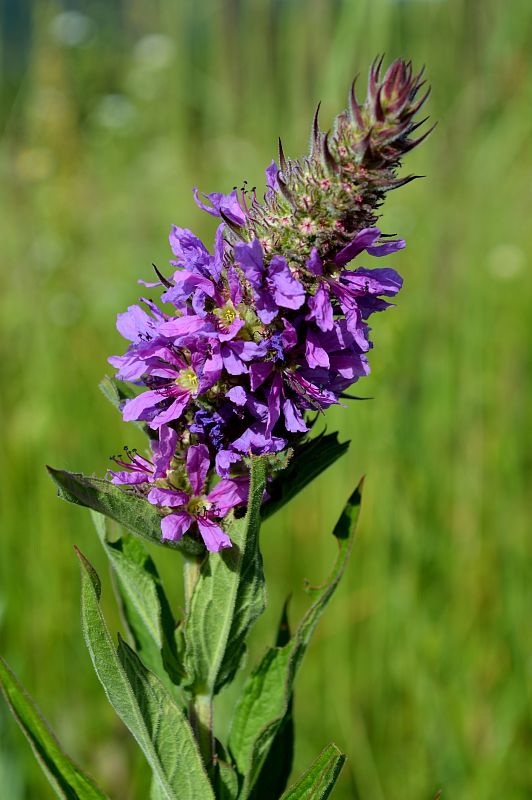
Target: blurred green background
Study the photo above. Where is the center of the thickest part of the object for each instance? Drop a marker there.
(111, 111)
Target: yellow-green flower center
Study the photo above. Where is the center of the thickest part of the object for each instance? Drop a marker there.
(197, 506)
(227, 315)
(188, 380)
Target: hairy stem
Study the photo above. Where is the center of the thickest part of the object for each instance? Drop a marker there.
(191, 571)
(200, 715)
(200, 709)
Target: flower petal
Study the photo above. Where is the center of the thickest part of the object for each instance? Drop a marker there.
(321, 310)
(237, 395)
(175, 525)
(362, 240)
(214, 537)
(287, 290)
(135, 408)
(198, 463)
(173, 411)
(224, 459)
(167, 497)
(227, 494)
(164, 450)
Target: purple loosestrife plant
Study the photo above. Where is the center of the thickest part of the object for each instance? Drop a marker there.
(227, 375)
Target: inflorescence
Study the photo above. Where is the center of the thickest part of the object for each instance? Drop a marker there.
(273, 326)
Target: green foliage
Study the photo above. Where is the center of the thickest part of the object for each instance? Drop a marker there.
(318, 781)
(265, 700)
(142, 702)
(277, 766)
(310, 460)
(144, 604)
(68, 781)
(429, 647)
(129, 509)
(228, 597)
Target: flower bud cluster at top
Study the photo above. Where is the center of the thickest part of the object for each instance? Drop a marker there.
(272, 327)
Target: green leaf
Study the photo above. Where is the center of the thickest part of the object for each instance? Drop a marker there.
(126, 507)
(143, 703)
(275, 772)
(318, 781)
(144, 604)
(228, 597)
(309, 461)
(225, 776)
(65, 776)
(265, 700)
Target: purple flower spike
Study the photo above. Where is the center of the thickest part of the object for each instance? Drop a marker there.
(271, 327)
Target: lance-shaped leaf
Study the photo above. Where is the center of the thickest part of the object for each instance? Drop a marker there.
(318, 781)
(143, 703)
(225, 776)
(129, 509)
(273, 777)
(309, 461)
(228, 597)
(67, 779)
(144, 604)
(266, 697)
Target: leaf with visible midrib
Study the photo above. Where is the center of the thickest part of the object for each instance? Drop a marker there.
(266, 696)
(129, 509)
(318, 781)
(67, 779)
(228, 597)
(142, 703)
(144, 604)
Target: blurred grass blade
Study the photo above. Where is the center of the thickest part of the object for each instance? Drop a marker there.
(318, 781)
(144, 604)
(228, 597)
(142, 703)
(308, 462)
(129, 509)
(65, 776)
(265, 700)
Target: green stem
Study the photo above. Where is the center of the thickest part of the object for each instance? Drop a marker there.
(191, 571)
(200, 709)
(200, 715)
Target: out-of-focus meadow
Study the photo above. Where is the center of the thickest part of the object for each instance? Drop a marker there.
(421, 669)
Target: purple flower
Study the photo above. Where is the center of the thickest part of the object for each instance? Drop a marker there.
(273, 286)
(350, 290)
(138, 469)
(174, 381)
(195, 506)
(272, 326)
(226, 204)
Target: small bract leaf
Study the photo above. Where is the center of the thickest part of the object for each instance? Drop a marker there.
(142, 703)
(129, 509)
(318, 781)
(67, 779)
